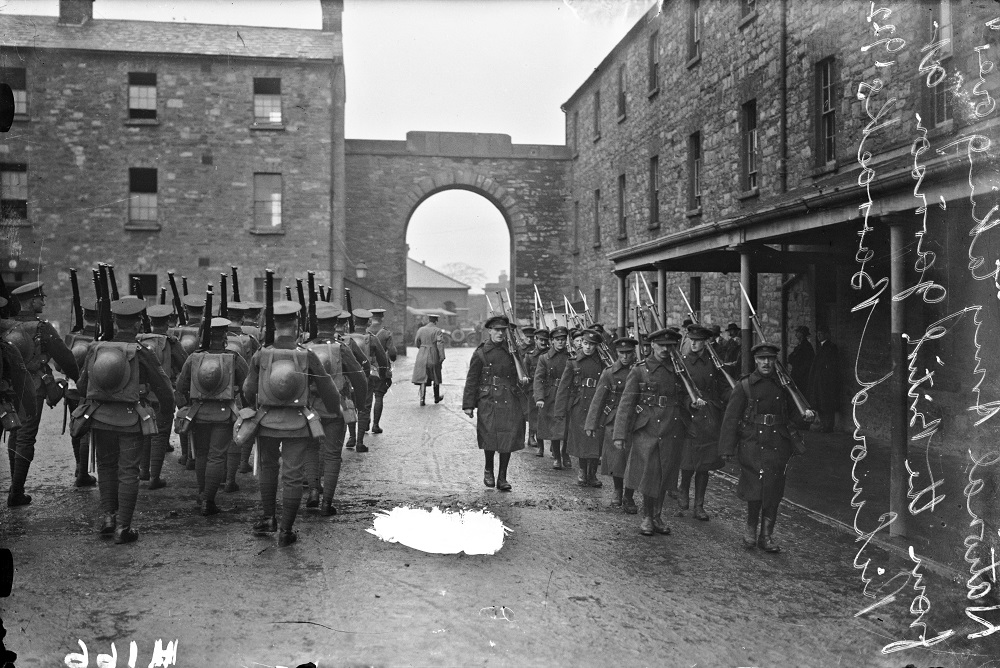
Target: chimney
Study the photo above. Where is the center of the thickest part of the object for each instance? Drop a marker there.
(75, 12)
(333, 11)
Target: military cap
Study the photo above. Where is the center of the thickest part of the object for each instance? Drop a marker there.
(541, 333)
(221, 323)
(193, 301)
(576, 333)
(559, 331)
(716, 330)
(803, 329)
(326, 311)
(625, 344)
(733, 327)
(377, 312)
(237, 307)
(286, 310)
(598, 326)
(28, 291)
(252, 305)
(344, 315)
(592, 336)
(497, 322)
(528, 331)
(764, 350)
(432, 317)
(687, 323)
(699, 333)
(667, 335)
(160, 311)
(362, 314)
(129, 307)
(90, 309)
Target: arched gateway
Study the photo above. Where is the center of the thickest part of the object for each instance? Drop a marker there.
(387, 180)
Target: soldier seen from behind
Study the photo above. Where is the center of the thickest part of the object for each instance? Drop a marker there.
(384, 336)
(113, 408)
(430, 345)
(78, 342)
(379, 368)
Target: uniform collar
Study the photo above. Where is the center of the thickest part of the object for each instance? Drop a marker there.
(699, 356)
(756, 377)
(651, 364)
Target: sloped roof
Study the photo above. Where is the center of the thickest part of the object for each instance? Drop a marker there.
(419, 275)
(45, 32)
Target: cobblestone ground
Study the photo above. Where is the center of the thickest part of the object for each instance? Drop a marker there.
(579, 584)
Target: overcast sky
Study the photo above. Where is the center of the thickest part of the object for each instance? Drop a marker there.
(501, 66)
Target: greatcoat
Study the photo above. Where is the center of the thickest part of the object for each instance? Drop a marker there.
(546, 382)
(601, 418)
(573, 396)
(430, 356)
(701, 448)
(491, 387)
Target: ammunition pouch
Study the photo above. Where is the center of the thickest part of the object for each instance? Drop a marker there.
(147, 420)
(54, 389)
(79, 423)
(348, 409)
(246, 425)
(314, 422)
(8, 416)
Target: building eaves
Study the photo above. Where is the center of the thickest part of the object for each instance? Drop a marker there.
(419, 275)
(167, 38)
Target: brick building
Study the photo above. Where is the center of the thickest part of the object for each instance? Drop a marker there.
(166, 146)
(428, 288)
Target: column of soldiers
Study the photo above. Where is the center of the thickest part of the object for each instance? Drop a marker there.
(129, 366)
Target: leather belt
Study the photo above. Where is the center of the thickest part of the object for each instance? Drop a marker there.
(497, 381)
(768, 419)
(660, 401)
(588, 382)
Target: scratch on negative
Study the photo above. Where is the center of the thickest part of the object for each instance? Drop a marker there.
(367, 633)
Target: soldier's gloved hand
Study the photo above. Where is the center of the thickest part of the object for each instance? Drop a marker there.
(809, 416)
(468, 411)
(698, 403)
(589, 433)
(619, 443)
(540, 404)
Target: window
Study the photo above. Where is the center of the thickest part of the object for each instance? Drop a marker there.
(694, 29)
(267, 201)
(258, 289)
(694, 171)
(694, 296)
(147, 285)
(654, 61)
(142, 95)
(267, 100)
(576, 132)
(941, 103)
(576, 226)
(16, 78)
(654, 191)
(13, 192)
(597, 217)
(747, 7)
(749, 123)
(826, 120)
(597, 304)
(622, 227)
(597, 115)
(621, 91)
(142, 195)
(940, 14)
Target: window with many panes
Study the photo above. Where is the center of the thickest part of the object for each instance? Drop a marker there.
(826, 114)
(267, 201)
(142, 195)
(654, 61)
(621, 91)
(142, 95)
(576, 226)
(260, 287)
(941, 98)
(654, 191)
(694, 171)
(13, 192)
(597, 115)
(267, 100)
(622, 223)
(749, 128)
(597, 217)
(694, 29)
(16, 78)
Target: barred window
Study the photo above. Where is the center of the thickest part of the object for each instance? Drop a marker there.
(826, 115)
(260, 285)
(266, 100)
(142, 195)
(597, 217)
(621, 91)
(597, 114)
(13, 191)
(622, 222)
(694, 29)
(654, 61)
(941, 102)
(694, 171)
(16, 78)
(267, 201)
(142, 95)
(750, 145)
(654, 191)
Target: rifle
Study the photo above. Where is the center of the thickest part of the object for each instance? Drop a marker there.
(107, 323)
(350, 309)
(99, 330)
(512, 347)
(602, 348)
(181, 316)
(522, 340)
(652, 303)
(236, 285)
(638, 334)
(539, 309)
(163, 295)
(716, 360)
(223, 297)
(268, 307)
(184, 285)
(113, 283)
(205, 335)
(493, 311)
(77, 305)
(786, 381)
(303, 310)
(555, 318)
(136, 290)
(693, 392)
(313, 324)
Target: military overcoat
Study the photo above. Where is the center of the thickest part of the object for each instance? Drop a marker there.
(546, 382)
(573, 396)
(601, 418)
(501, 404)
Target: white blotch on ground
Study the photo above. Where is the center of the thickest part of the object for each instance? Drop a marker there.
(437, 532)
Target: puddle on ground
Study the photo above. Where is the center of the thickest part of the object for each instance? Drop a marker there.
(437, 532)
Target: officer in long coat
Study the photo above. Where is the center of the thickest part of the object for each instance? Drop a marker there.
(548, 373)
(109, 384)
(656, 411)
(38, 342)
(541, 339)
(278, 387)
(430, 357)
(210, 384)
(701, 447)
(379, 368)
(824, 380)
(323, 463)
(493, 387)
(384, 336)
(601, 421)
(573, 397)
(756, 430)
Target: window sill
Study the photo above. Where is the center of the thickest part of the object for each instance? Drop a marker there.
(276, 127)
(597, 137)
(621, 118)
(264, 232)
(142, 121)
(747, 20)
(622, 237)
(748, 194)
(942, 128)
(653, 226)
(693, 213)
(653, 93)
(576, 154)
(142, 227)
(694, 60)
(21, 118)
(597, 245)
(827, 168)
(15, 222)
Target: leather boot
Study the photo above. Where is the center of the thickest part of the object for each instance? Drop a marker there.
(592, 478)
(557, 456)
(617, 500)
(658, 524)
(488, 479)
(109, 525)
(361, 447)
(750, 537)
(766, 542)
(684, 497)
(438, 397)
(566, 461)
(313, 500)
(541, 449)
(208, 508)
(423, 395)
(628, 503)
(646, 528)
(157, 483)
(502, 483)
(326, 508)
(700, 485)
(582, 479)
(126, 535)
(286, 537)
(265, 525)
